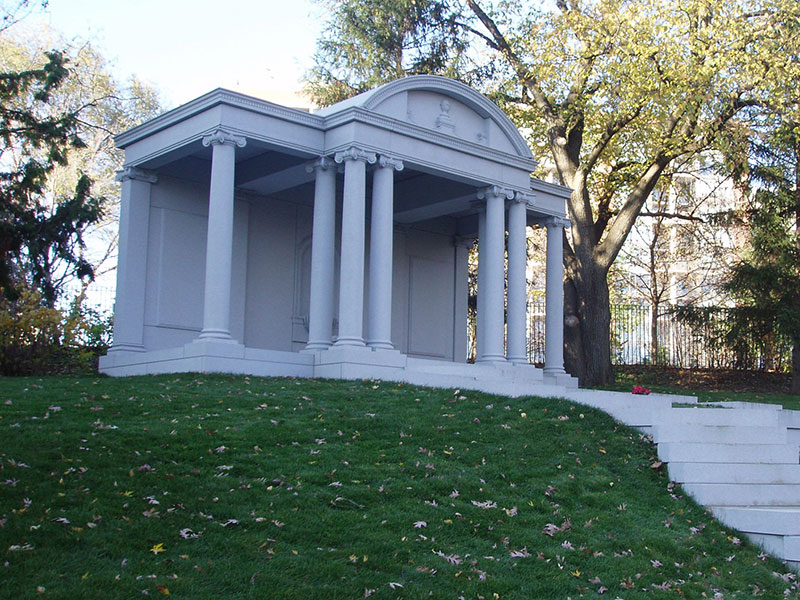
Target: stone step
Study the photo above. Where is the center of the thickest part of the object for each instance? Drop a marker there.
(719, 434)
(785, 547)
(746, 405)
(606, 401)
(721, 416)
(638, 417)
(790, 418)
(768, 520)
(728, 453)
(707, 472)
(744, 494)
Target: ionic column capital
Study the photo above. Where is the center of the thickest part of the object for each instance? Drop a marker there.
(134, 174)
(556, 222)
(387, 162)
(524, 198)
(226, 138)
(323, 163)
(463, 241)
(355, 153)
(495, 191)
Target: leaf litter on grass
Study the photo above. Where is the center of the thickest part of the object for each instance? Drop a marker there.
(333, 489)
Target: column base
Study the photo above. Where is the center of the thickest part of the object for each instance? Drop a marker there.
(518, 360)
(558, 376)
(356, 342)
(216, 335)
(554, 371)
(127, 348)
(380, 345)
(316, 346)
(492, 358)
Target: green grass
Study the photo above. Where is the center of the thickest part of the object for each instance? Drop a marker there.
(235, 487)
(625, 382)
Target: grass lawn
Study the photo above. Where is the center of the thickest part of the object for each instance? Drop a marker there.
(670, 381)
(234, 487)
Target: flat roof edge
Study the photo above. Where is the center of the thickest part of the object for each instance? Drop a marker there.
(209, 100)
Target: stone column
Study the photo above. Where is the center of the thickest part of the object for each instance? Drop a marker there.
(516, 332)
(323, 249)
(554, 297)
(219, 242)
(462, 246)
(494, 279)
(351, 278)
(379, 308)
(480, 307)
(134, 226)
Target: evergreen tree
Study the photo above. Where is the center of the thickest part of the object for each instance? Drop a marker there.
(33, 142)
(766, 283)
(370, 42)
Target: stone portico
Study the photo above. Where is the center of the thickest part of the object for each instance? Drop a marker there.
(260, 239)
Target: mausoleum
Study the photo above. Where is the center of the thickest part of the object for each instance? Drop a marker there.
(260, 239)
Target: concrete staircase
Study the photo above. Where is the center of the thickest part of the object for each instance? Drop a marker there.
(741, 460)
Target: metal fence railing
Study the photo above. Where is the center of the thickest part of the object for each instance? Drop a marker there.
(678, 343)
(98, 297)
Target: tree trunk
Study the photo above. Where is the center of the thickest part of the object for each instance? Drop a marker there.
(795, 384)
(654, 333)
(573, 341)
(590, 358)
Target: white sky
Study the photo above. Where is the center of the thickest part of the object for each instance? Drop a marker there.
(186, 48)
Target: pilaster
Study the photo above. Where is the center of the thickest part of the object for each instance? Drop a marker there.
(134, 227)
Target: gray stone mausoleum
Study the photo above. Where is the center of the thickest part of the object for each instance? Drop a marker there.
(260, 239)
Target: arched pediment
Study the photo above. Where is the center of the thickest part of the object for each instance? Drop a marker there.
(443, 105)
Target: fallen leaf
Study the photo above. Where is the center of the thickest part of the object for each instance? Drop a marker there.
(157, 548)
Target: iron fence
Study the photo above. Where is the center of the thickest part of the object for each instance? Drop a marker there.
(678, 343)
(99, 298)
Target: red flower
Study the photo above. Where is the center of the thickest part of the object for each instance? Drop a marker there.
(638, 389)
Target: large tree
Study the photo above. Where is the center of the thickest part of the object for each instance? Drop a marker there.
(59, 113)
(766, 283)
(611, 92)
(370, 42)
(34, 142)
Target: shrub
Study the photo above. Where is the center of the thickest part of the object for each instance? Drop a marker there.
(29, 331)
(38, 340)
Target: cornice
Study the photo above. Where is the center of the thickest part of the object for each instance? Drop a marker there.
(360, 115)
(537, 185)
(210, 100)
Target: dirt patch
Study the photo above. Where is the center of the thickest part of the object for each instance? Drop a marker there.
(712, 380)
